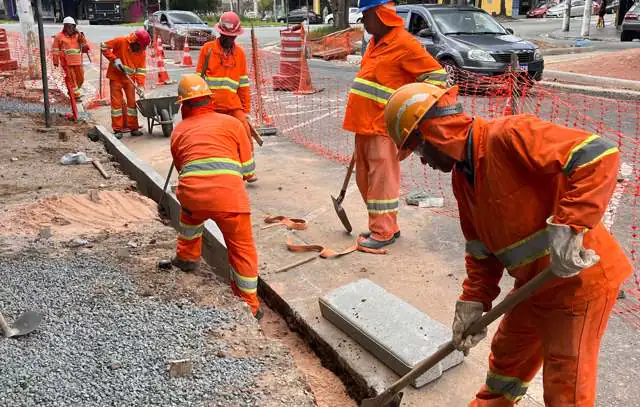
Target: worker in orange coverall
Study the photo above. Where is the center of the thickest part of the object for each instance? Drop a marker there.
(531, 194)
(223, 64)
(393, 58)
(213, 157)
(127, 57)
(68, 47)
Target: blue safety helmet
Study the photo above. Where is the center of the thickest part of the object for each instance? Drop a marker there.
(367, 4)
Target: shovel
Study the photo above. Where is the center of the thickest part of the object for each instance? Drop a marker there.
(337, 202)
(392, 396)
(24, 325)
(161, 209)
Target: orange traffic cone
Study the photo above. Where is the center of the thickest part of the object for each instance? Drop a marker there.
(163, 76)
(186, 56)
(305, 87)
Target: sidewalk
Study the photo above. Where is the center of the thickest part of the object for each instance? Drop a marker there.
(619, 65)
(608, 33)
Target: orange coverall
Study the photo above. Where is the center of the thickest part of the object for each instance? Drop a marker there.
(124, 115)
(516, 172)
(213, 156)
(397, 60)
(228, 79)
(67, 51)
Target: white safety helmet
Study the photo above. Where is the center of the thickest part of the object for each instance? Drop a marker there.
(69, 20)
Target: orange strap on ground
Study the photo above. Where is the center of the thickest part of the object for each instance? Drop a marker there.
(327, 253)
(290, 223)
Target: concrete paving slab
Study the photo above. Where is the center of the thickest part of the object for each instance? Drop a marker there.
(397, 333)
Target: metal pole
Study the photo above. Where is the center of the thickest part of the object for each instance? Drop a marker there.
(43, 65)
(100, 73)
(586, 19)
(567, 16)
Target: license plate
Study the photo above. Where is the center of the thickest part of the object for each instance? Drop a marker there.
(524, 67)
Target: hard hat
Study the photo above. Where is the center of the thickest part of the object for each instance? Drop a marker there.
(365, 5)
(406, 108)
(142, 37)
(192, 86)
(229, 24)
(69, 20)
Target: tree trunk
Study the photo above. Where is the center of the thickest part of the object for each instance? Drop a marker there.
(503, 7)
(341, 15)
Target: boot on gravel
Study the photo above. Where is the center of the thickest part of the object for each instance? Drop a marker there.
(184, 265)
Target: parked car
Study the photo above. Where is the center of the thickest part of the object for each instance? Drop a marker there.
(470, 39)
(631, 24)
(174, 26)
(540, 10)
(577, 9)
(355, 16)
(611, 6)
(299, 15)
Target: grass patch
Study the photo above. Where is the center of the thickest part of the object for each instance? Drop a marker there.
(8, 21)
(321, 32)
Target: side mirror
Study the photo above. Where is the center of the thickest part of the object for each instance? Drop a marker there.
(510, 31)
(425, 33)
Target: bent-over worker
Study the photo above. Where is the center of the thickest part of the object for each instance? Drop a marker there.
(226, 72)
(213, 157)
(393, 58)
(127, 58)
(531, 195)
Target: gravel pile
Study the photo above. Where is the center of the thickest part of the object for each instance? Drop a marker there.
(102, 345)
(13, 105)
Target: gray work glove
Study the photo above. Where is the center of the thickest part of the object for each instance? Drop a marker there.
(467, 312)
(568, 255)
(118, 64)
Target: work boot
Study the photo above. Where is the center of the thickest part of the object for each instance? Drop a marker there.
(259, 314)
(253, 179)
(367, 235)
(371, 243)
(118, 134)
(184, 265)
(136, 133)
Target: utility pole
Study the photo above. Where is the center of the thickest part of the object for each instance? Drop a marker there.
(586, 19)
(43, 64)
(567, 16)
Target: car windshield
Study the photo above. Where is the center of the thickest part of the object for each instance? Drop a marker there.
(185, 18)
(466, 22)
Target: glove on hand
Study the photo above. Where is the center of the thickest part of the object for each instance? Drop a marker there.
(467, 312)
(118, 64)
(568, 255)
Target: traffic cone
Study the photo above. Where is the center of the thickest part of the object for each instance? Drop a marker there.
(305, 87)
(163, 75)
(186, 56)
(6, 63)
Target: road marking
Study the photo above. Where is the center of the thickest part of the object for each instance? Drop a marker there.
(308, 122)
(610, 215)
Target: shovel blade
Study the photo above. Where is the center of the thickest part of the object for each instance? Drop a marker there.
(27, 323)
(342, 215)
(383, 400)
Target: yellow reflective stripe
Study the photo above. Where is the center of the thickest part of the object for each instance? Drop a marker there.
(368, 96)
(592, 149)
(380, 206)
(191, 232)
(116, 112)
(477, 249)
(524, 251)
(248, 285)
(244, 81)
(512, 388)
(212, 160)
(211, 172)
(375, 85)
(248, 167)
(72, 51)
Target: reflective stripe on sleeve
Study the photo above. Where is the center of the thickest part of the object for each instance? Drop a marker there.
(588, 152)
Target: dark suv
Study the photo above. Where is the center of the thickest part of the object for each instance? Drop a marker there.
(469, 38)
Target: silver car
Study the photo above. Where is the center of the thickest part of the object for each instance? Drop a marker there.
(577, 9)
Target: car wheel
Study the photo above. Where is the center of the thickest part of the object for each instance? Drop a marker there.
(626, 36)
(330, 22)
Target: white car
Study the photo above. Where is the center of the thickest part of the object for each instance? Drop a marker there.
(577, 9)
(355, 16)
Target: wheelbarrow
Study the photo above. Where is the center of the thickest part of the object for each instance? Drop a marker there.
(159, 112)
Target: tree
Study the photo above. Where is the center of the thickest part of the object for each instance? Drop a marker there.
(340, 14)
(503, 7)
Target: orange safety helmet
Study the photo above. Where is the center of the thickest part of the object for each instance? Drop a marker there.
(141, 36)
(229, 24)
(192, 86)
(406, 108)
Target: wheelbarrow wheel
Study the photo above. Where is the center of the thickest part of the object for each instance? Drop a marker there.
(167, 125)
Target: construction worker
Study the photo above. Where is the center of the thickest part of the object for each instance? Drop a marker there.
(223, 64)
(213, 156)
(531, 195)
(128, 61)
(393, 58)
(68, 47)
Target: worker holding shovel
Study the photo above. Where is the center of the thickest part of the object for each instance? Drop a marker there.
(127, 59)
(531, 194)
(393, 58)
(67, 49)
(213, 156)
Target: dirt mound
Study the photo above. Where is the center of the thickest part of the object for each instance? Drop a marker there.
(71, 215)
